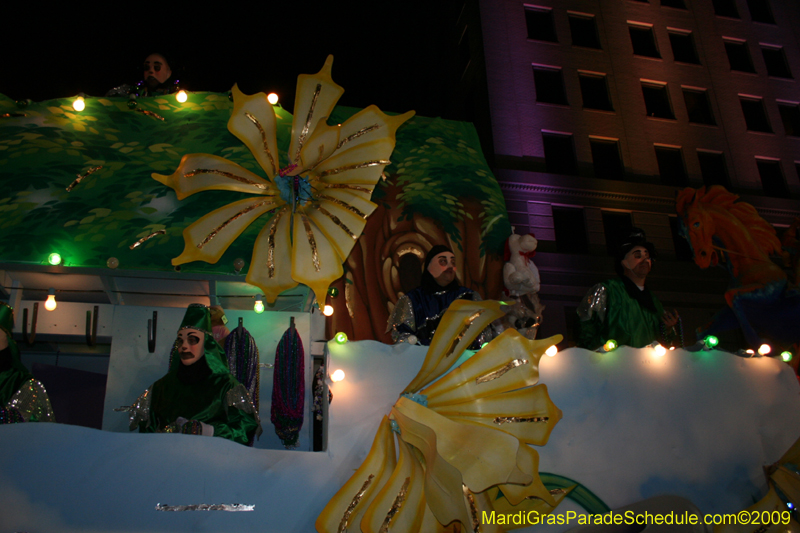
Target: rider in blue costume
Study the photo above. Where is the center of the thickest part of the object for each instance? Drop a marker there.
(418, 313)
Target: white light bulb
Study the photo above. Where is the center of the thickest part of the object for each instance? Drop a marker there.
(79, 104)
(552, 351)
(328, 310)
(181, 96)
(764, 349)
(659, 350)
(337, 376)
(51, 303)
(272, 98)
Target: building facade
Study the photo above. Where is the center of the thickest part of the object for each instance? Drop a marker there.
(601, 111)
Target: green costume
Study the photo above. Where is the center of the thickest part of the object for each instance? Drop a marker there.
(611, 310)
(202, 398)
(22, 398)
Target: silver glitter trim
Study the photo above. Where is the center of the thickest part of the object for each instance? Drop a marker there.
(32, 402)
(595, 302)
(239, 398)
(139, 411)
(403, 314)
(232, 507)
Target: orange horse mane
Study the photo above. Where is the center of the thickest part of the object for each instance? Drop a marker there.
(762, 232)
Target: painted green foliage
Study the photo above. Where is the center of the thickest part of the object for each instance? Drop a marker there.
(43, 152)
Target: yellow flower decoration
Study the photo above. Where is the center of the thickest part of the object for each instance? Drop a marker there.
(320, 201)
(462, 434)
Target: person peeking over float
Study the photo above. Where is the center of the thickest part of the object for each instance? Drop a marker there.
(418, 313)
(623, 308)
(22, 398)
(198, 396)
(157, 79)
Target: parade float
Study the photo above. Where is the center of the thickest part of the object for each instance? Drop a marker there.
(337, 207)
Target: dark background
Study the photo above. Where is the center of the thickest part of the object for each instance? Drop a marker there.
(394, 55)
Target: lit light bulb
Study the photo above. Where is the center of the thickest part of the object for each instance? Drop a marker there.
(749, 352)
(259, 305)
(272, 98)
(54, 259)
(340, 337)
(764, 349)
(786, 356)
(337, 376)
(51, 304)
(712, 341)
(610, 344)
(181, 96)
(659, 350)
(552, 351)
(79, 105)
(327, 310)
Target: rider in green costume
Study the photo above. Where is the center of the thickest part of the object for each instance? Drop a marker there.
(198, 395)
(22, 398)
(624, 309)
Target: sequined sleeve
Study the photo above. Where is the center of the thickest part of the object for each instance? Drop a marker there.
(239, 398)
(594, 303)
(403, 315)
(32, 403)
(140, 410)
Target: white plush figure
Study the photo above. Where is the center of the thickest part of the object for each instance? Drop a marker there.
(521, 278)
(520, 274)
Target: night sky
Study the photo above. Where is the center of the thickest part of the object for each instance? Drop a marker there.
(390, 55)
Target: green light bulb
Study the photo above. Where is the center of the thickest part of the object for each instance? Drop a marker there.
(54, 259)
(610, 344)
(259, 305)
(786, 356)
(340, 338)
(711, 341)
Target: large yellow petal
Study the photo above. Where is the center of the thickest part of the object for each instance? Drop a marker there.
(253, 122)
(460, 325)
(527, 413)
(443, 481)
(315, 261)
(480, 506)
(362, 164)
(205, 172)
(347, 507)
(484, 456)
(431, 525)
(369, 124)
(271, 265)
(508, 362)
(315, 98)
(528, 462)
(209, 237)
(400, 504)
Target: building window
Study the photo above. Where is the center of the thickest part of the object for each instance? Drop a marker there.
(656, 100)
(670, 165)
(584, 30)
(739, 56)
(616, 227)
(541, 25)
(755, 115)
(559, 153)
(549, 85)
(772, 178)
(726, 8)
(594, 90)
(698, 107)
(683, 49)
(713, 168)
(677, 4)
(760, 11)
(606, 159)
(790, 116)
(644, 41)
(775, 59)
(570, 229)
(683, 251)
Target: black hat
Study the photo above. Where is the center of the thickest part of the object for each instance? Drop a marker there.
(636, 237)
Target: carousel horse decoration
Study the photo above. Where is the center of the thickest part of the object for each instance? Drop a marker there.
(317, 195)
(454, 448)
(722, 231)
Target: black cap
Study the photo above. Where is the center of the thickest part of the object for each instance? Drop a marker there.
(636, 237)
(436, 250)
